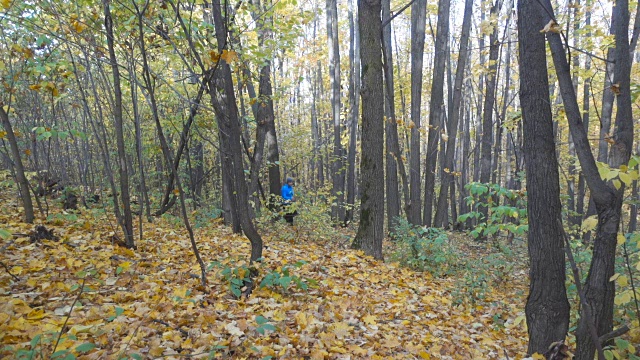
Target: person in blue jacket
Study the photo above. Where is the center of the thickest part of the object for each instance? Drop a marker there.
(287, 198)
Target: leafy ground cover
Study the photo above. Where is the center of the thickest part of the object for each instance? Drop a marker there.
(83, 296)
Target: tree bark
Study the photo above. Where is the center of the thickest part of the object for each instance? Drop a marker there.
(224, 102)
(370, 230)
(436, 108)
(599, 291)
(127, 219)
(547, 308)
(442, 218)
(394, 161)
(21, 179)
(337, 191)
(354, 109)
(418, 25)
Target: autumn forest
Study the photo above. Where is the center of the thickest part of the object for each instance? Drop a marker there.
(262, 179)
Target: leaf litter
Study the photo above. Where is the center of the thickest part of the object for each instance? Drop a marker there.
(149, 304)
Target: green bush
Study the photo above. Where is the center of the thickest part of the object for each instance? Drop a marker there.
(423, 249)
(510, 217)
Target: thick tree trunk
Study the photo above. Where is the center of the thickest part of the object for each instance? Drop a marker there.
(21, 179)
(598, 290)
(224, 102)
(418, 25)
(436, 108)
(127, 219)
(370, 230)
(547, 307)
(442, 218)
(337, 170)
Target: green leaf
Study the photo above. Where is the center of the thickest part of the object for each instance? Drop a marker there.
(5, 234)
(622, 344)
(86, 347)
(626, 178)
(617, 184)
(285, 281)
(261, 320)
(269, 327)
(35, 340)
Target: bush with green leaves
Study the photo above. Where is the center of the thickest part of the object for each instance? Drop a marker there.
(422, 248)
(507, 210)
(281, 280)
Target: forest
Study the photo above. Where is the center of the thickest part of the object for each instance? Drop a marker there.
(368, 179)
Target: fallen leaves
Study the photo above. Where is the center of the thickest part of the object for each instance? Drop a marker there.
(145, 304)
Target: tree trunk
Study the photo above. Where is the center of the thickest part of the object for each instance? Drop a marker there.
(547, 307)
(599, 291)
(337, 191)
(585, 114)
(21, 179)
(354, 109)
(394, 162)
(224, 103)
(418, 25)
(436, 109)
(370, 230)
(127, 219)
(489, 102)
(442, 218)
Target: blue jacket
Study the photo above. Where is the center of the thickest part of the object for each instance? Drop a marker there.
(287, 192)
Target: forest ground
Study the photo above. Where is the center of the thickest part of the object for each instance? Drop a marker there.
(112, 302)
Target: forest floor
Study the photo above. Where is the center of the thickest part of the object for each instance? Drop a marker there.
(84, 296)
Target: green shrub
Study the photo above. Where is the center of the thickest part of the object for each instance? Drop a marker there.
(423, 249)
(510, 217)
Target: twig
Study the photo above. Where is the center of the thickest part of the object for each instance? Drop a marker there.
(631, 281)
(183, 332)
(386, 22)
(614, 334)
(9, 272)
(589, 318)
(69, 315)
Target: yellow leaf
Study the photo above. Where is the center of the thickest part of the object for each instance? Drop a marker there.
(16, 270)
(589, 223)
(621, 239)
(5, 3)
(551, 26)
(617, 184)
(229, 56)
(214, 56)
(424, 355)
(156, 351)
(341, 329)
(538, 356)
(180, 292)
(626, 178)
(34, 87)
(369, 319)
(2, 134)
(36, 314)
(78, 26)
(391, 342)
(302, 319)
(623, 298)
(623, 281)
(614, 277)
